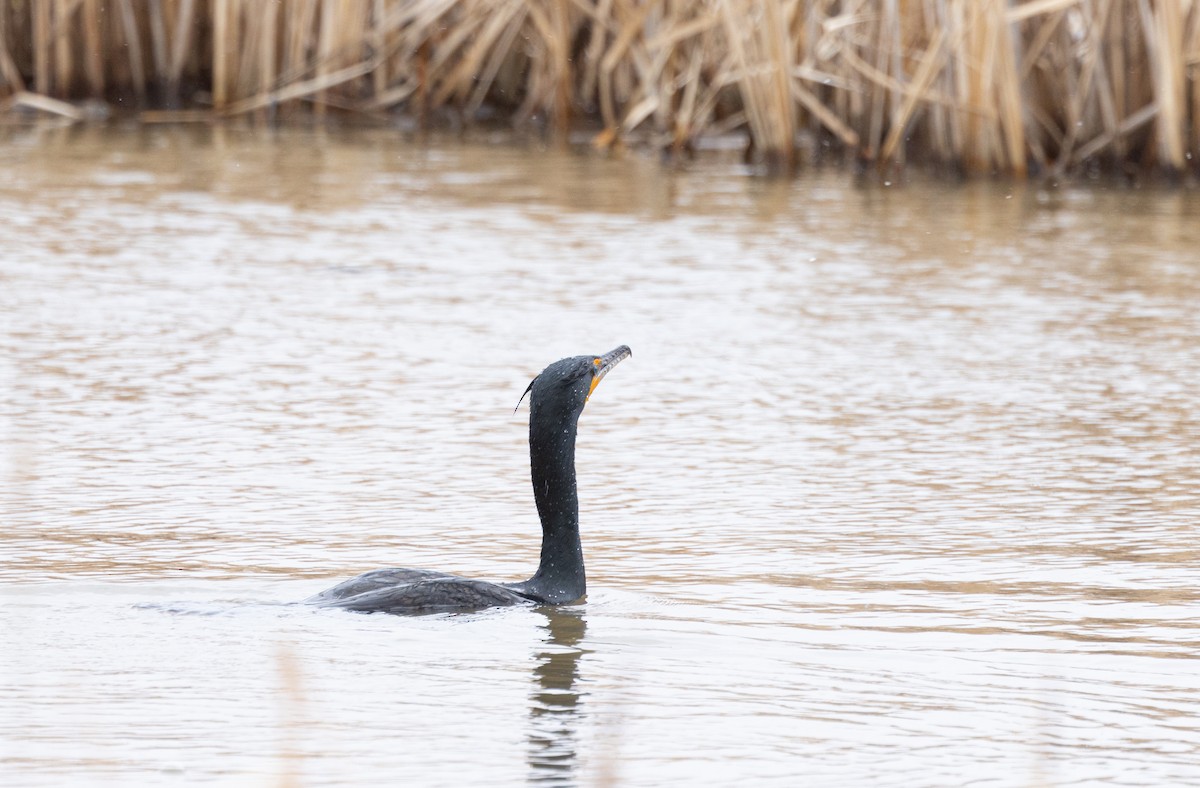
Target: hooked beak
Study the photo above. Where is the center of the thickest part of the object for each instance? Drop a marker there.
(607, 362)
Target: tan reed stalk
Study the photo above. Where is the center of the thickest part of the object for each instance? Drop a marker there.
(1104, 93)
(41, 47)
(1193, 58)
(685, 118)
(353, 46)
(46, 104)
(93, 56)
(326, 47)
(1078, 101)
(1164, 38)
(239, 63)
(61, 35)
(971, 86)
(220, 55)
(941, 117)
(500, 53)
(10, 75)
(268, 39)
(779, 52)
(181, 39)
(268, 48)
(761, 66)
(541, 80)
(297, 37)
(379, 77)
(1012, 121)
(248, 52)
(930, 64)
(628, 21)
(1115, 50)
(133, 46)
(953, 17)
(876, 98)
(159, 45)
(457, 59)
(598, 34)
(563, 101)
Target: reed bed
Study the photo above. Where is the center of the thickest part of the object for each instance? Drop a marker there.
(984, 85)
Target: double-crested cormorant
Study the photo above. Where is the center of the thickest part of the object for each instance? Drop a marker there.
(556, 398)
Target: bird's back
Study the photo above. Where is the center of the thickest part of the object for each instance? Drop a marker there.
(416, 591)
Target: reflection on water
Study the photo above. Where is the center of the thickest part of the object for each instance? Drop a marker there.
(553, 711)
(902, 487)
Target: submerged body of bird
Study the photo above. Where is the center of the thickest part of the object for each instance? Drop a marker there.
(556, 400)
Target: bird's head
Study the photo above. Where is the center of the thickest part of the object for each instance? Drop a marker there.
(566, 384)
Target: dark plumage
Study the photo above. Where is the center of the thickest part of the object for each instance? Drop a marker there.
(556, 399)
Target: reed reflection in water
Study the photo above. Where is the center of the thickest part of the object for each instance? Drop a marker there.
(902, 487)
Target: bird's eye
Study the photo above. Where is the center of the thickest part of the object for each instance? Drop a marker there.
(596, 362)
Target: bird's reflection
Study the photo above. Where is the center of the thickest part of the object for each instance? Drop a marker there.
(554, 704)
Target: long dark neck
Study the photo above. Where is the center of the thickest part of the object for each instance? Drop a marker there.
(560, 576)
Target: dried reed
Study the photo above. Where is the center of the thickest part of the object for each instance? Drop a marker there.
(986, 85)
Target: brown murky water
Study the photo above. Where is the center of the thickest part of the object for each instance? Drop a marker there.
(901, 486)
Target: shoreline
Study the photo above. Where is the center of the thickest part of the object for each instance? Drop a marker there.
(726, 151)
(94, 118)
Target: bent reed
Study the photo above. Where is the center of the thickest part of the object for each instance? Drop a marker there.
(982, 85)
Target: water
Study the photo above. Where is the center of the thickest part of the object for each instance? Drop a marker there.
(901, 486)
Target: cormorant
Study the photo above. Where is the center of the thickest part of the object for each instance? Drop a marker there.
(556, 399)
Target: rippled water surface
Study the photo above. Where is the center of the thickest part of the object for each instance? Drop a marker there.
(900, 487)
